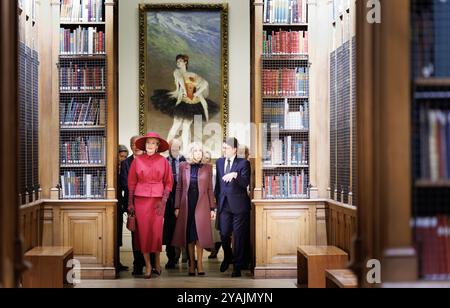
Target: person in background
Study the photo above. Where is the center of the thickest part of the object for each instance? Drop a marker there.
(215, 231)
(138, 262)
(121, 210)
(150, 182)
(123, 154)
(195, 208)
(232, 181)
(244, 153)
(175, 159)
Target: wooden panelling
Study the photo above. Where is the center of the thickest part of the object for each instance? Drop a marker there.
(282, 226)
(10, 260)
(88, 227)
(31, 226)
(47, 227)
(279, 232)
(84, 232)
(48, 98)
(341, 225)
(384, 142)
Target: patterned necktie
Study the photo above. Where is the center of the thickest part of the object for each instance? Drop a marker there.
(228, 170)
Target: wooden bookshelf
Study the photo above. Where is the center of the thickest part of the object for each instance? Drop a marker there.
(289, 26)
(100, 23)
(94, 217)
(432, 184)
(271, 215)
(83, 57)
(432, 82)
(285, 50)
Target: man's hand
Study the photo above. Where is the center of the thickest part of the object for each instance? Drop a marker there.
(177, 213)
(230, 177)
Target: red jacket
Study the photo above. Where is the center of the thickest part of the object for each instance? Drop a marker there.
(206, 203)
(151, 177)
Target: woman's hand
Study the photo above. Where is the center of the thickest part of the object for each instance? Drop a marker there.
(177, 213)
(131, 209)
(213, 215)
(160, 209)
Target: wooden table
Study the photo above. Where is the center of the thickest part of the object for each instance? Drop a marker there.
(49, 267)
(313, 261)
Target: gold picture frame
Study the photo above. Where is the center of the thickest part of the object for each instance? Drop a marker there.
(166, 30)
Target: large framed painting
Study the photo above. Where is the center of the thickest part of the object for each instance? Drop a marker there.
(184, 73)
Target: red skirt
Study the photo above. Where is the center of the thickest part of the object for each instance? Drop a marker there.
(149, 229)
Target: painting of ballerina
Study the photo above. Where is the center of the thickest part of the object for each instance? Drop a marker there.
(183, 73)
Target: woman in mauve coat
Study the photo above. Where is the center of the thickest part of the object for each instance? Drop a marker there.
(195, 208)
(150, 182)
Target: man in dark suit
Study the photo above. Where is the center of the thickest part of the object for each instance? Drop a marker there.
(233, 178)
(175, 159)
(139, 262)
(121, 209)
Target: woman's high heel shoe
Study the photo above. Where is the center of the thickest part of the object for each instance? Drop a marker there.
(157, 272)
(148, 276)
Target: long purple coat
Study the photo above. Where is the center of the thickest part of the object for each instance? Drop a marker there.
(206, 203)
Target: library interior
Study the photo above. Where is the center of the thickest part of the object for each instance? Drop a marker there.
(225, 144)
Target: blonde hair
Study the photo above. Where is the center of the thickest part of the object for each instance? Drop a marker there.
(194, 146)
(205, 153)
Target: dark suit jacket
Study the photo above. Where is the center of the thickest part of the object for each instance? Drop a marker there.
(123, 182)
(236, 191)
(182, 160)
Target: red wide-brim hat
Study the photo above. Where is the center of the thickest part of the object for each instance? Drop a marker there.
(163, 144)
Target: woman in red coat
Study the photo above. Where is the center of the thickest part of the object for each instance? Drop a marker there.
(195, 208)
(150, 182)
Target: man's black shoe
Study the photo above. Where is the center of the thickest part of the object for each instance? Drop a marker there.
(138, 272)
(122, 268)
(236, 274)
(171, 265)
(224, 266)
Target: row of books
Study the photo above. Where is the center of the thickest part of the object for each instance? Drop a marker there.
(82, 77)
(85, 186)
(82, 10)
(82, 41)
(286, 152)
(90, 113)
(281, 114)
(285, 11)
(285, 43)
(286, 82)
(432, 238)
(84, 150)
(435, 144)
(286, 186)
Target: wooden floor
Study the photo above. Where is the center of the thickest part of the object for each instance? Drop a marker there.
(179, 278)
